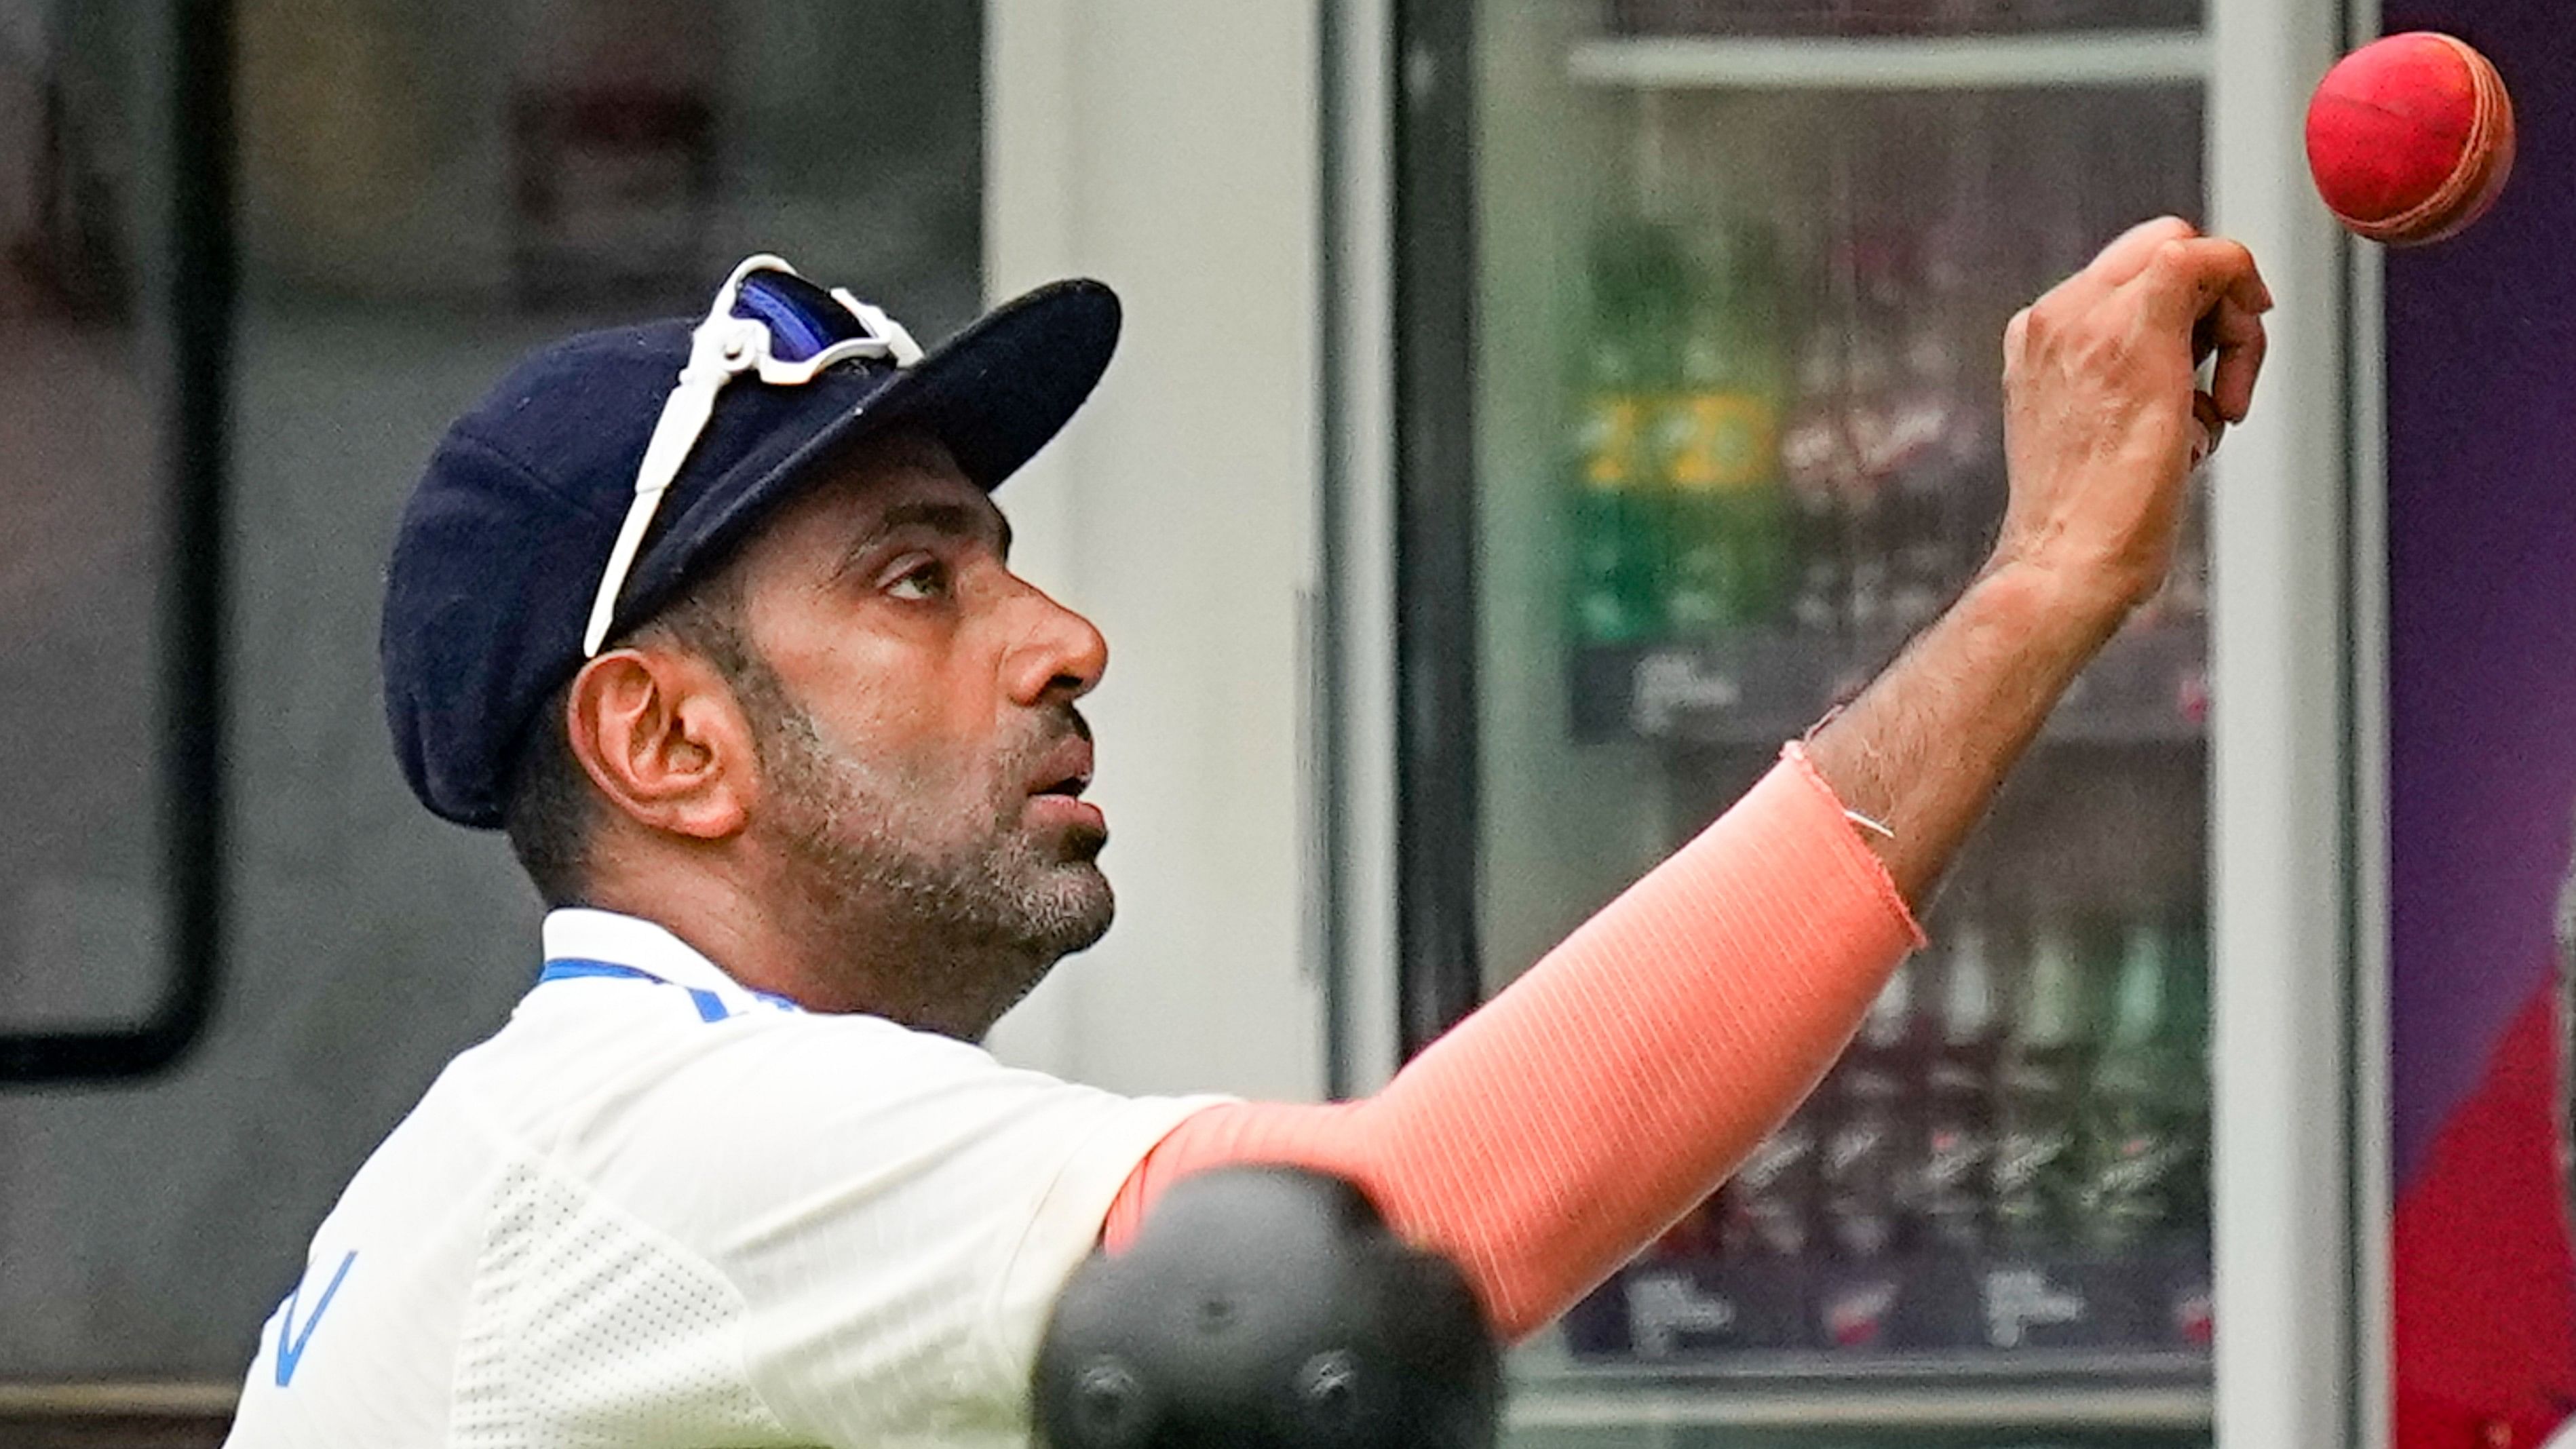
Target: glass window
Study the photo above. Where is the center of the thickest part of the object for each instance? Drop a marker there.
(86, 570)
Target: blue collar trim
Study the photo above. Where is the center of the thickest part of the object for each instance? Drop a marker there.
(711, 1007)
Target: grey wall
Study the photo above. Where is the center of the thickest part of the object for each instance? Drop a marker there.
(148, 1231)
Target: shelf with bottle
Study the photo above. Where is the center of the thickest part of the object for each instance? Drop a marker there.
(2076, 1394)
(1776, 480)
(1755, 688)
(2006, 1173)
(1864, 18)
(2005, 62)
(1892, 45)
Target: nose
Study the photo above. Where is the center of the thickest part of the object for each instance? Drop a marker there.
(1060, 658)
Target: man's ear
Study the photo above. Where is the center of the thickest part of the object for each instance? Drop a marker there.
(661, 735)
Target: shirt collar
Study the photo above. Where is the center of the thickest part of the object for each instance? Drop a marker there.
(584, 934)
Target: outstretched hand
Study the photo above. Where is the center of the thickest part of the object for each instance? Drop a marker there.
(2100, 429)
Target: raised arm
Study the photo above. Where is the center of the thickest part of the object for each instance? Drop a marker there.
(2099, 434)
(1558, 1129)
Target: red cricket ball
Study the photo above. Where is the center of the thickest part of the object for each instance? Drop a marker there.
(2410, 138)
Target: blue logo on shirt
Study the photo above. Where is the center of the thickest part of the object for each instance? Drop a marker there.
(290, 1344)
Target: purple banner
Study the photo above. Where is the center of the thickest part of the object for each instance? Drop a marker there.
(2482, 698)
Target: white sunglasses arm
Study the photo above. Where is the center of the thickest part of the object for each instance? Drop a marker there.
(684, 416)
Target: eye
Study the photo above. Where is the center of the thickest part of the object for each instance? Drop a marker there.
(926, 579)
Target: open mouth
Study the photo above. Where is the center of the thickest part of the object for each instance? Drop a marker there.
(1071, 787)
(1066, 771)
(1056, 803)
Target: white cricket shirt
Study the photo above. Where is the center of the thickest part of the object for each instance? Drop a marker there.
(660, 1209)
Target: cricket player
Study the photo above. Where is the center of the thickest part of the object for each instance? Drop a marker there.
(718, 624)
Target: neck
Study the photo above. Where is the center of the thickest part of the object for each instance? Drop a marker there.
(826, 953)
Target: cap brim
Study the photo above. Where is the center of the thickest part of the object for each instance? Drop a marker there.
(1000, 390)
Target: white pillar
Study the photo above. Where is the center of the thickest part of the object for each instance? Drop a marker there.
(2281, 838)
(1170, 148)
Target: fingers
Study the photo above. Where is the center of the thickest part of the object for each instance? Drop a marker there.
(2116, 264)
(2158, 284)
(2131, 251)
(2211, 287)
(2209, 427)
(2186, 276)
(2236, 336)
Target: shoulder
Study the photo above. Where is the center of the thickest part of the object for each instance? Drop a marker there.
(710, 1122)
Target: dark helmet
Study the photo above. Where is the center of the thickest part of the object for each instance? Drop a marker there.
(1267, 1308)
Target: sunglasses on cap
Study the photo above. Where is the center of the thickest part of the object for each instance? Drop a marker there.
(766, 321)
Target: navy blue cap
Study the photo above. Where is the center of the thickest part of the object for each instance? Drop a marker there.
(502, 545)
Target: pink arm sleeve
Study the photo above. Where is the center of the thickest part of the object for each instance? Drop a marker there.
(1557, 1130)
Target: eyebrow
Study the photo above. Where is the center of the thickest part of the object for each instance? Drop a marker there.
(957, 520)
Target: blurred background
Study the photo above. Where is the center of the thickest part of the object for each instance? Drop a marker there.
(1532, 412)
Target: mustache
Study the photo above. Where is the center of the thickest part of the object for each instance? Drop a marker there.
(1056, 724)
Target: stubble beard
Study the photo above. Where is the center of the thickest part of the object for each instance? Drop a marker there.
(887, 868)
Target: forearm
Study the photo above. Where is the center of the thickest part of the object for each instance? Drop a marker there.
(1556, 1130)
(2102, 424)
(1925, 747)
